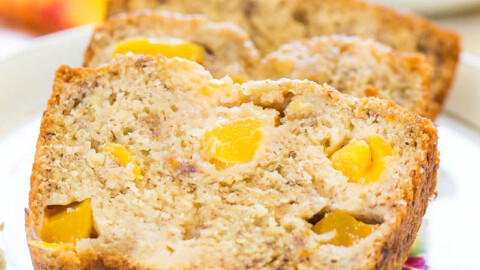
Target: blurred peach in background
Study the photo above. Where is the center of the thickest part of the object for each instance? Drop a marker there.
(45, 16)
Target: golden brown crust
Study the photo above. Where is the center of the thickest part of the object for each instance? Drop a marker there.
(441, 46)
(62, 74)
(301, 19)
(397, 247)
(394, 250)
(40, 258)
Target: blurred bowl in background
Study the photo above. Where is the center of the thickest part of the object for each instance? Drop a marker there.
(431, 7)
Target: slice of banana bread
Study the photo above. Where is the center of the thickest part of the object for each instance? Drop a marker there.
(272, 23)
(351, 65)
(356, 67)
(149, 163)
(223, 48)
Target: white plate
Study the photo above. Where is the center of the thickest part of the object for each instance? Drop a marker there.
(431, 7)
(452, 231)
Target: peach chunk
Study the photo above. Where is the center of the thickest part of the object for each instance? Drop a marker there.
(168, 48)
(348, 230)
(380, 151)
(362, 162)
(67, 223)
(120, 154)
(234, 142)
(299, 103)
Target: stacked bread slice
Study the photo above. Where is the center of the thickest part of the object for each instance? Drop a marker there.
(351, 65)
(273, 23)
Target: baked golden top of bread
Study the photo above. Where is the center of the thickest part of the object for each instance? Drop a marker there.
(273, 23)
(349, 64)
(165, 167)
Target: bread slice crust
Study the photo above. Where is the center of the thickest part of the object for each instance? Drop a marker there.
(393, 250)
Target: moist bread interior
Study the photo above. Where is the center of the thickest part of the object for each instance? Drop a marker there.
(190, 211)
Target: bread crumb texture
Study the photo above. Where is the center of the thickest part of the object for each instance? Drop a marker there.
(352, 65)
(165, 167)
